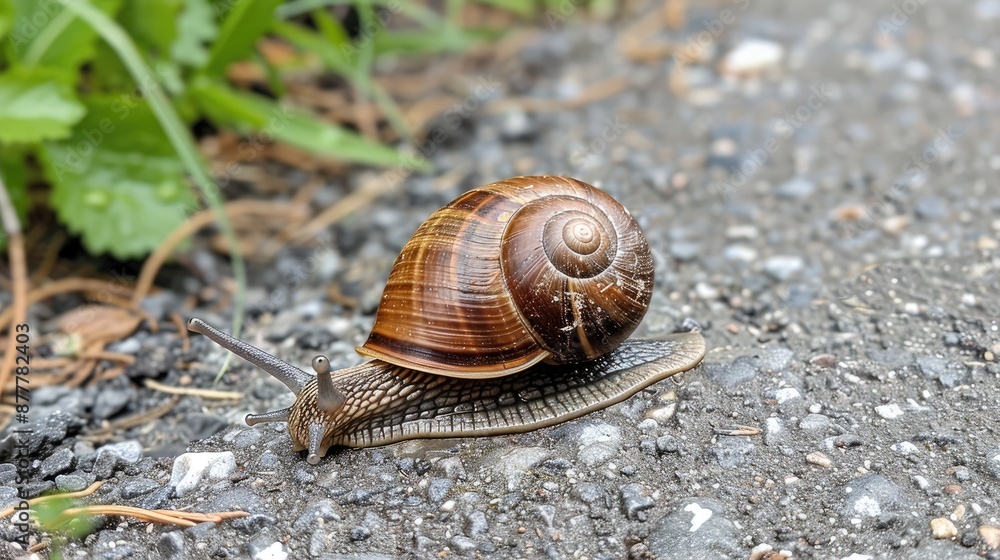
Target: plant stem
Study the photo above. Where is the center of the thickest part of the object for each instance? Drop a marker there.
(175, 130)
(19, 280)
(46, 37)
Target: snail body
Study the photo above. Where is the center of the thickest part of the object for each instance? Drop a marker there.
(508, 310)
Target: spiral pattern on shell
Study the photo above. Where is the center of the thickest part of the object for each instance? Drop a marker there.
(513, 273)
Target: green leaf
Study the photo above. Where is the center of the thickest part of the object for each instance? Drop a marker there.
(523, 8)
(46, 34)
(37, 104)
(51, 517)
(7, 11)
(198, 22)
(241, 28)
(108, 74)
(117, 182)
(432, 41)
(151, 23)
(333, 57)
(248, 112)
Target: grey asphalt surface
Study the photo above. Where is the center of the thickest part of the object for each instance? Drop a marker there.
(819, 183)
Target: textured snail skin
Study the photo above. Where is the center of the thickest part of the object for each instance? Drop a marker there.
(513, 273)
(388, 403)
(384, 403)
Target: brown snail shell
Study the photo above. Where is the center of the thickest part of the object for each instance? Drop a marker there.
(521, 271)
(511, 274)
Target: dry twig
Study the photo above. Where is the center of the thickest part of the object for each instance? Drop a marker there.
(372, 188)
(67, 495)
(202, 219)
(168, 516)
(594, 92)
(193, 391)
(174, 517)
(66, 286)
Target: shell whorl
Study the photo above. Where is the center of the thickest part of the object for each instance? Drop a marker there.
(511, 274)
(580, 273)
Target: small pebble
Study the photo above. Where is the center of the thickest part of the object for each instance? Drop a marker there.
(647, 425)
(960, 473)
(847, 440)
(171, 545)
(990, 536)
(787, 394)
(820, 459)
(889, 411)
(476, 524)
(59, 462)
(752, 56)
(796, 188)
(904, 448)
(128, 451)
(635, 501)
(272, 552)
(191, 468)
(828, 361)
(667, 444)
(783, 267)
(943, 528)
(70, 483)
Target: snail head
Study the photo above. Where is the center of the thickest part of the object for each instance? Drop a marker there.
(318, 408)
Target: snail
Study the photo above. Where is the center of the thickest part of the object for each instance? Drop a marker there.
(507, 311)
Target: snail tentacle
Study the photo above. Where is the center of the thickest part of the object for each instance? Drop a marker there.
(292, 377)
(273, 416)
(315, 443)
(328, 398)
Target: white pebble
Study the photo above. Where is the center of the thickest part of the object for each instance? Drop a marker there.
(867, 506)
(701, 515)
(904, 448)
(752, 56)
(648, 425)
(889, 411)
(273, 552)
(191, 468)
(786, 394)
